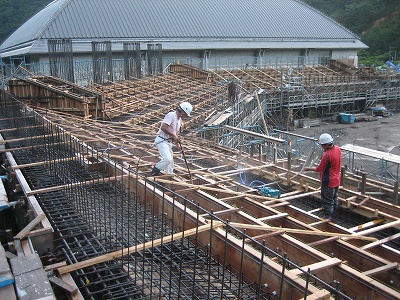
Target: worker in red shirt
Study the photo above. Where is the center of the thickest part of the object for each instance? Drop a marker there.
(329, 169)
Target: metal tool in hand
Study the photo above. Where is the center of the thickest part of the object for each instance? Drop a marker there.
(184, 157)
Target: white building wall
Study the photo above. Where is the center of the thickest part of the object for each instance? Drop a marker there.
(348, 55)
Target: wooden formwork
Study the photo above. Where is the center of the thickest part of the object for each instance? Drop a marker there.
(58, 95)
(366, 267)
(363, 265)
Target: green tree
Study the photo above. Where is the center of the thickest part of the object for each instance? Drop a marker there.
(14, 13)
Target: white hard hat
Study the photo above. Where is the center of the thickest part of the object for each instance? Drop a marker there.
(186, 107)
(325, 138)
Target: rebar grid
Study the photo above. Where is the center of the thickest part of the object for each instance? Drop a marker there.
(115, 216)
(95, 218)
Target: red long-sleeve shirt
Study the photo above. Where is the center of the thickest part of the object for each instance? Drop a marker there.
(329, 166)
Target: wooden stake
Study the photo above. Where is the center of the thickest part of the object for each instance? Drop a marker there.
(29, 227)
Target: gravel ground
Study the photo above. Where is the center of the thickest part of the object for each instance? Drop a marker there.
(382, 134)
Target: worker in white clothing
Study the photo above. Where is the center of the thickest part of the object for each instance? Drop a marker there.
(167, 137)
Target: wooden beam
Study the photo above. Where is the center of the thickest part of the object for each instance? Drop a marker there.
(60, 187)
(29, 227)
(256, 135)
(70, 289)
(367, 225)
(19, 128)
(68, 279)
(136, 248)
(377, 228)
(229, 210)
(220, 190)
(381, 269)
(363, 201)
(299, 231)
(319, 222)
(27, 138)
(273, 217)
(266, 235)
(26, 147)
(320, 242)
(299, 196)
(317, 266)
(52, 267)
(43, 163)
(235, 172)
(380, 242)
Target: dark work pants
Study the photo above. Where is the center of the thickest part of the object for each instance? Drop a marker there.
(329, 199)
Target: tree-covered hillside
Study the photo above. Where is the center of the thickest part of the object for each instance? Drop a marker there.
(14, 13)
(376, 22)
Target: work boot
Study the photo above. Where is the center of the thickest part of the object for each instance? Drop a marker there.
(155, 171)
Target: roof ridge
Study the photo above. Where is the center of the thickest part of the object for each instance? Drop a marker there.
(53, 17)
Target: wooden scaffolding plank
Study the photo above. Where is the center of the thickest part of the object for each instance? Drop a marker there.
(136, 248)
(318, 266)
(380, 242)
(300, 231)
(380, 269)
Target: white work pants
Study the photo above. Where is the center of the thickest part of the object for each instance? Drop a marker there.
(166, 164)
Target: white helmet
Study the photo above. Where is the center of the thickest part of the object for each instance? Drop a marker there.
(325, 138)
(186, 107)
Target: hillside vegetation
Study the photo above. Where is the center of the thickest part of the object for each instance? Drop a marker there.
(376, 22)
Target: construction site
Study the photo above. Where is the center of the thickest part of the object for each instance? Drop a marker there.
(81, 217)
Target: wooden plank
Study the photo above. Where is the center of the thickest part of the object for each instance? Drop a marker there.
(43, 163)
(372, 153)
(60, 187)
(52, 267)
(220, 190)
(26, 147)
(70, 289)
(367, 225)
(377, 228)
(136, 248)
(363, 201)
(299, 231)
(319, 222)
(68, 279)
(266, 235)
(317, 266)
(381, 269)
(299, 196)
(19, 128)
(27, 138)
(327, 240)
(29, 227)
(229, 210)
(380, 242)
(273, 217)
(387, 292)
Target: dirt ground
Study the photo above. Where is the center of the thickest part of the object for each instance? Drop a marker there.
(382, 134)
